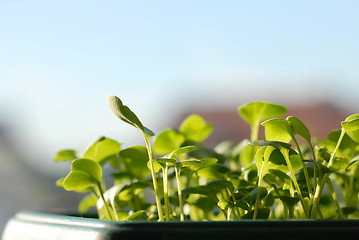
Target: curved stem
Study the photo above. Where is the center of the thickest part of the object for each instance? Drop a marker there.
(179, 191)
(285, 153)
(305, 170)
(256, 206)
(165, 191)
(320, 186)
(154, 179)
(334, 196)
(104, 201)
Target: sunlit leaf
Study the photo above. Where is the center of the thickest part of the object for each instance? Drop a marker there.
(299, 128)
(84, 173)
(128, 191)
(166, 161)
(351, 127)
(195, 128)
(60, 182)
(87, 202)
(214, 172)
(205, 162)
(102, 149)
(167, 141)
(256, 112)
(189, 162)
(352, 163)
(278, 130)
(123, 112)
(181, 150)
(78, 181)
(126, 115)
(135, 159)
(65, 155)
(273, 159)
(88, 166)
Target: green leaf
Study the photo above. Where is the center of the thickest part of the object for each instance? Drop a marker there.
(289, 201)
(78, 182)
(65, 155)
(189, 162)
(167, 141)
(278, 130)
(275, 144)
(205, 162)
(299, 128)
(164, 161)
(322, 168)
(223, 204)
(256, 112)
(60, 182)
(217, 185)
(148, 132)
(352, 162)
(263, 213)
(135, 159)
(214, 172)
(139, 215)
(157, 167)
(87, 202)
(283, 176)
(84, 173)
(340, 163)
(195, 128)
(180, 151)
(273, 159)
(128, 191)
(102, 149)
(351, 127)
(262, 190)
(202, 190)
(349, 210)
(88, 166)
(346, 146)
(126, 115)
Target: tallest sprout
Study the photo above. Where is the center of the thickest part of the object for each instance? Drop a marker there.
(126, 115)
(256, 112)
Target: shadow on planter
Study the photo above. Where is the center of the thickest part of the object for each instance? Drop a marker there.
(42, 225)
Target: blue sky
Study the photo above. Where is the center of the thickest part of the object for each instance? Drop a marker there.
(59, 60)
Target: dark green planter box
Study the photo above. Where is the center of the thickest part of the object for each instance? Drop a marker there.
(41, 225)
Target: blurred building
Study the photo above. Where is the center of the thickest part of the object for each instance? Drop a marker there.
(320, 118)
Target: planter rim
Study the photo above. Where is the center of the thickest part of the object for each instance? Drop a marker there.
(68, 218)
(28, 225)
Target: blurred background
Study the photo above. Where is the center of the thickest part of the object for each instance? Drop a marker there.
(165, 59)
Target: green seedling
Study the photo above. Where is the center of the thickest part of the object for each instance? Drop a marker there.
(180, 178)
(126, 115)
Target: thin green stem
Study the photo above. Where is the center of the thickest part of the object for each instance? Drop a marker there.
(104, 201)
(335, 198)
(320, 186)
(257, 204)
(285, 153)
(229, 211)
(165, 191)
(305, 170)
(179, 191)
(154, 179)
